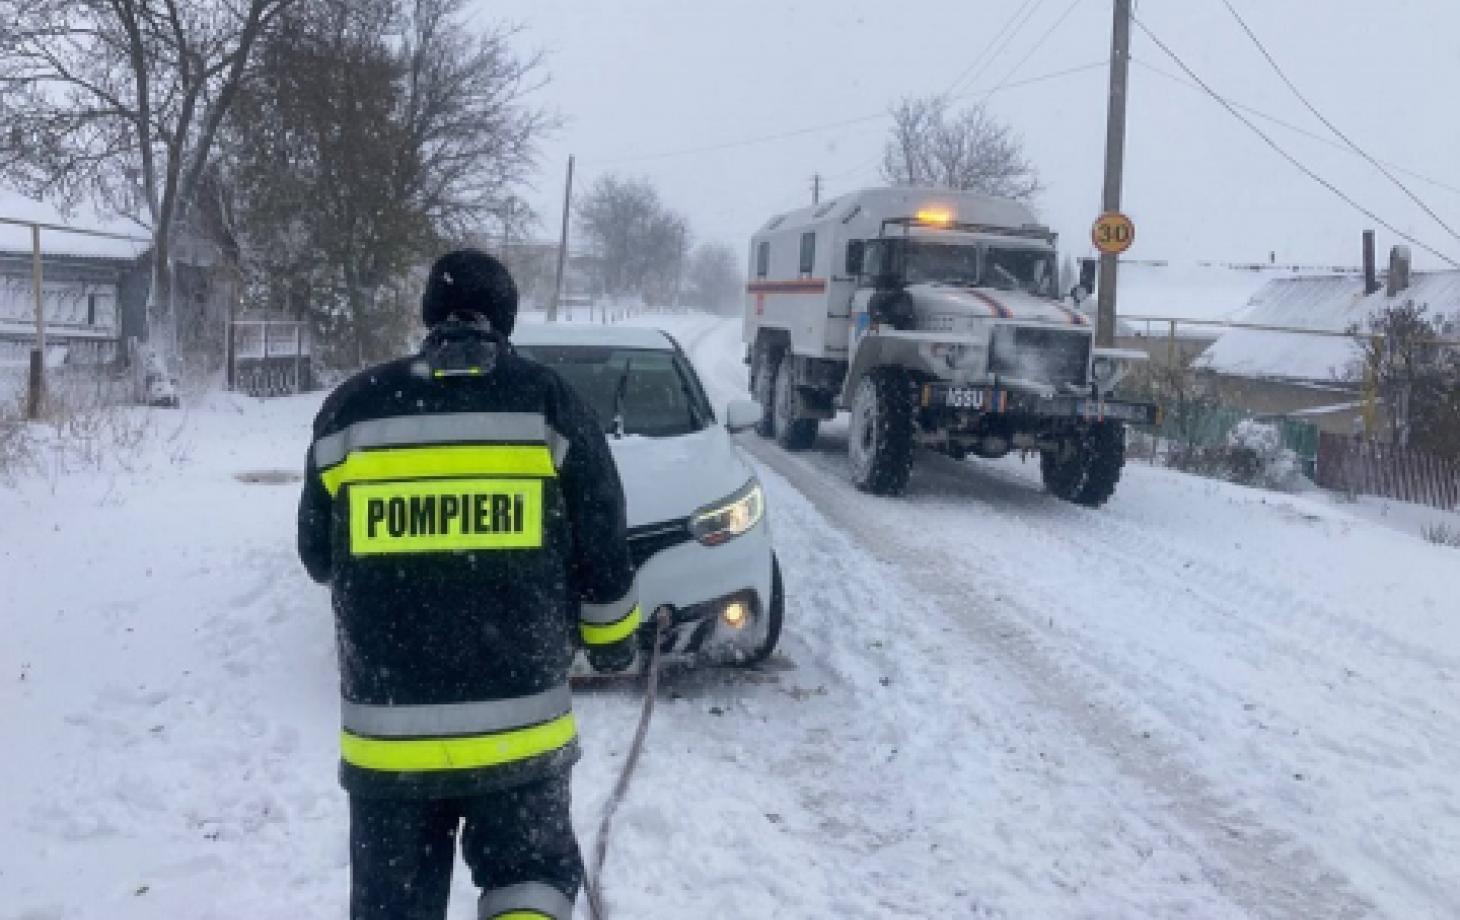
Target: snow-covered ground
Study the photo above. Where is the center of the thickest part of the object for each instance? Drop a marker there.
(1201, 701)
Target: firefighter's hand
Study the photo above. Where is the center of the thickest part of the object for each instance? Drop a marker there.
(619, 656)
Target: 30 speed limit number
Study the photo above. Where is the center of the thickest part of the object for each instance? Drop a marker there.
(1113, 233)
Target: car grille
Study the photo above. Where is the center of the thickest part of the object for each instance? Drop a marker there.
(1052, 356)
(649, 539)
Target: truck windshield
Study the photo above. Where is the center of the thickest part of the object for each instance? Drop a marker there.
(1028, 270)
(940, 262)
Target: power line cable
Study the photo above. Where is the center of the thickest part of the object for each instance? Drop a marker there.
(745, 142)
(1288, 156)
(984, 59)
(1042, 78)
(812, 129)
(1033, 48)
(827, 126)
(1330, 125)
(1296, 129)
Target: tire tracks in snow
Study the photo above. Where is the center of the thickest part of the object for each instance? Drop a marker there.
(1265, 870)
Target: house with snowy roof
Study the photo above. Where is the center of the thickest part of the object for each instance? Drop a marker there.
(1171, 311)
(1291, 355)
(94, 289)
(95, 285)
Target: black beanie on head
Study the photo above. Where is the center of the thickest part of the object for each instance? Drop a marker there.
(470, 281)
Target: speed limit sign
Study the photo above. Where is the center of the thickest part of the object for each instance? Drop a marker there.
(1113, 233)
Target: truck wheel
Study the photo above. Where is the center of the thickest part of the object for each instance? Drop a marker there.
(762, 386)
(790, 432)
(1087, 467)
(880, 440)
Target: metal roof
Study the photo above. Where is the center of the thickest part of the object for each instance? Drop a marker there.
(1324, 305)
(16, 239)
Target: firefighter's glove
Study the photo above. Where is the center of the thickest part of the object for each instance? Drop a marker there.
(619, 656)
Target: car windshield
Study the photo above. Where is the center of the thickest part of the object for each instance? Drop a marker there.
(1029, 270)
(660, 396)
(941, 262)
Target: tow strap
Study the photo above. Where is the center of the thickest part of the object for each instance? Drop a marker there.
(594, 886)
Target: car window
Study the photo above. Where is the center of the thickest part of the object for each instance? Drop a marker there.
(660, 397)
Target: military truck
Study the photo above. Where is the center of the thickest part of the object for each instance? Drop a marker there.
(936, 319)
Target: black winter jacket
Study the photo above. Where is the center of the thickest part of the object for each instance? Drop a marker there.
(465, 509)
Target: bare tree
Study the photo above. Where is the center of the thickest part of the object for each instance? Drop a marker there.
(639, 245)
(969, 150)
(1416, 376)
(123, 100)
(716, 277)
(403, 129)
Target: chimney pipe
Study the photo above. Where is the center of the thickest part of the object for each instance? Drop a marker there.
(1399, 261)
(1371, 270)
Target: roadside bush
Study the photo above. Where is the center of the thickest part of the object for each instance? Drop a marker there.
(1255, 456)
(1443, 535)
(16, 447)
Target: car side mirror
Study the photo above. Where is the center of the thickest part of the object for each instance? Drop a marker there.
(855, 250)
(1088, 268)
(742, 414)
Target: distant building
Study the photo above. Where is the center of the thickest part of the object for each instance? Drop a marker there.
(1157, 299)
(1312, 374)
(95, 289)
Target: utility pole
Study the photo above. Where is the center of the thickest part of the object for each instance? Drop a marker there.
(562, 245)
(38, 353)
(508, 207)
(816, 188)
(1114, 167)
(678, 266)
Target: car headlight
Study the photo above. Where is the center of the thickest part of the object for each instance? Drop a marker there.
(729, 518)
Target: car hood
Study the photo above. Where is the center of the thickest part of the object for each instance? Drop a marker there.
(669, 478)
(994, 303)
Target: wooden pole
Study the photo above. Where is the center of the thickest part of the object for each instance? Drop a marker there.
(38, 353)
(1114, 167)
(562, 245)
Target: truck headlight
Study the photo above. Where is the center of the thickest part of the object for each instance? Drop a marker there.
(1106, 371)
(729, 518)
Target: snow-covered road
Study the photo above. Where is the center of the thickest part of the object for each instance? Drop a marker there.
(1200, 701)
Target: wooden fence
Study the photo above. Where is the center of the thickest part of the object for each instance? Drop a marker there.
(1364, 467)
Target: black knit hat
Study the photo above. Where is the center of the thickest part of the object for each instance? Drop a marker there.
(470, 281)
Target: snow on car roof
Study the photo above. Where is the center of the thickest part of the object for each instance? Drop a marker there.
(615, 336)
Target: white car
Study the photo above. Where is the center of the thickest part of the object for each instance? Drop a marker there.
(696, 512)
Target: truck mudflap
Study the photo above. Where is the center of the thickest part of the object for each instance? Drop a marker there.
(998, 401)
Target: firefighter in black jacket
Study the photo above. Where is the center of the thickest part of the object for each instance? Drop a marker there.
(463, 505)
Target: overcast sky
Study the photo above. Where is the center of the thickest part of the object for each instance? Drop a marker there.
(641, 82)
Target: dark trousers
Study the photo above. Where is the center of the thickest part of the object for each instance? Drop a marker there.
(518, 843)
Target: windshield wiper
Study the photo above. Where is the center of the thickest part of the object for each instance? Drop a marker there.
(618, 398)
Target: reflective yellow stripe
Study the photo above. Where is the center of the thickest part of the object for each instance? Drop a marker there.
(522, 915)
(399, 756)
(429, 462)
(604, 635)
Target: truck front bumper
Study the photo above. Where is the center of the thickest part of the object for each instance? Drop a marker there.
(993, 400)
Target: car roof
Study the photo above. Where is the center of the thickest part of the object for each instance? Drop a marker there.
(591, 334)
